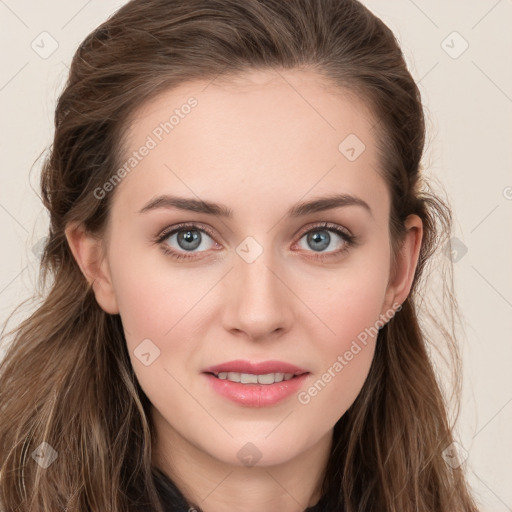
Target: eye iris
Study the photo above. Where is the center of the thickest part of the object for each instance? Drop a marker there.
(189, 237)
(320, 236)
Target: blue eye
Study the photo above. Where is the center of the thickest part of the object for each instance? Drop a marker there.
(319, 238)
(190, 237)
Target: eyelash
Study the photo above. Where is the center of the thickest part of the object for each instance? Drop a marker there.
(349, 240)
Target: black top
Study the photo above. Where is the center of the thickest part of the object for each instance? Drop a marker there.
(173, 500)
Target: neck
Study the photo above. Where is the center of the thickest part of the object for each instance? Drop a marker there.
(216, 486)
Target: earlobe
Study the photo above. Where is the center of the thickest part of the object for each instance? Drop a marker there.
(89, 254)
(406, 262)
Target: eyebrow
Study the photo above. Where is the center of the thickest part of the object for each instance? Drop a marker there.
(220, 210)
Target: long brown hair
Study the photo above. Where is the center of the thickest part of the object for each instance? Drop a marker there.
(66, 379)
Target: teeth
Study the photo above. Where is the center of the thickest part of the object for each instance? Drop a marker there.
(249, 378)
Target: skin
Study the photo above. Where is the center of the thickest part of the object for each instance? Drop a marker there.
(258, 144)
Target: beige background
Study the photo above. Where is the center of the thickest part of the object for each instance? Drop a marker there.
(467, 94)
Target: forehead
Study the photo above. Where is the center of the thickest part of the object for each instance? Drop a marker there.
(278, 133)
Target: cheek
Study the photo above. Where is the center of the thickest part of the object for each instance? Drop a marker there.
(350, 307)
(158, 313)
(347, 358)
(151, 296)
(349, 302)
(151, 303)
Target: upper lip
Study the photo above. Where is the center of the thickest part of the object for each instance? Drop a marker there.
(241, 366)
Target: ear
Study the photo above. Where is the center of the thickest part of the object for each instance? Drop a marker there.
(405, 263)
(89, 253)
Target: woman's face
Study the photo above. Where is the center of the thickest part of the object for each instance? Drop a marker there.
(268, 282)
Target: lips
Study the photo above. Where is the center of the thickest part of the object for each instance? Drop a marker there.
(262, 368)
(256, 395)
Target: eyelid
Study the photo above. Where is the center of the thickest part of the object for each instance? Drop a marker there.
(168, 231)
(348, 238)
(165, 233)
(325, 225)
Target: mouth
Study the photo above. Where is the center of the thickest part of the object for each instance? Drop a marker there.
(250, 378)
(256, 389)
(251, 372)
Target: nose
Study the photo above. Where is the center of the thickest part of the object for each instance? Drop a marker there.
(259, 303)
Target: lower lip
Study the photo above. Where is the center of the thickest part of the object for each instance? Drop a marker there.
(256, 395)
